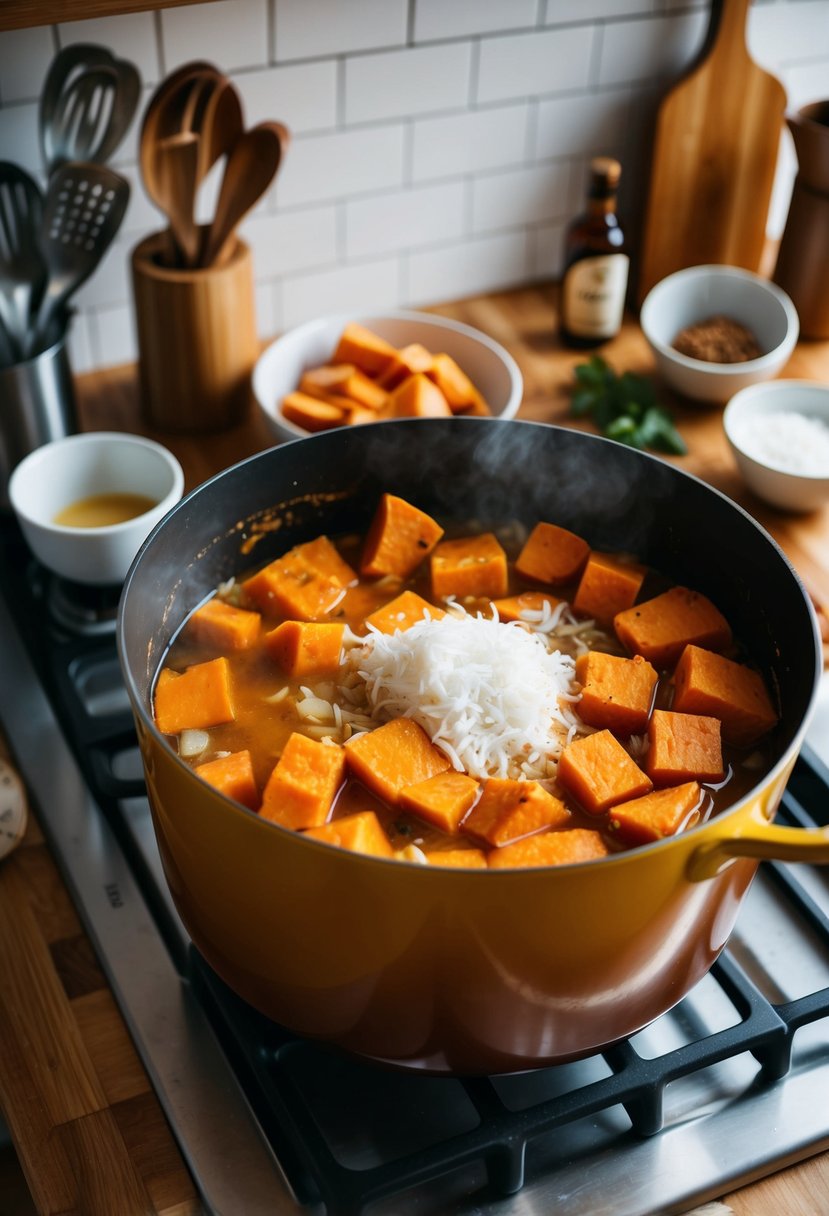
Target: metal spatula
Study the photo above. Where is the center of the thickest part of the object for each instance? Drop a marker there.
(83, 209)
(88, 102)
(22, 268)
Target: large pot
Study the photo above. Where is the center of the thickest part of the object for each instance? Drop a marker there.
(451, 970)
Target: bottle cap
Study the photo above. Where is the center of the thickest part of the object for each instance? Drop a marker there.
(606, 168)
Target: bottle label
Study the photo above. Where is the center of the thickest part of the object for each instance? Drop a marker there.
(593, 298)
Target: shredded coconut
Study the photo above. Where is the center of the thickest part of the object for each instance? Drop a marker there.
(792, 442)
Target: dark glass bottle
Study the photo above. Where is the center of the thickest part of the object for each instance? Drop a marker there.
(596, 264)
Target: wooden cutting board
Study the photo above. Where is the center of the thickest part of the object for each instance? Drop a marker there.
(714, 157)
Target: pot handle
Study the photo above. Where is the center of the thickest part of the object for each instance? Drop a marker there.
(767, 842)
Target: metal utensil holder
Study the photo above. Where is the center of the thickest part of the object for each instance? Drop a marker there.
(37, 405)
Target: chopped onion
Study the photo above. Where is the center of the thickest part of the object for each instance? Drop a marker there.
(193, 742)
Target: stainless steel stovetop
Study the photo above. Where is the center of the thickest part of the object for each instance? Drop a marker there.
(726, 1088)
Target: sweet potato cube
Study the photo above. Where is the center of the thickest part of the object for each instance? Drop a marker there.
(660, 813)
(512, 607)
(311, 413)
(607, 586)
(552, 554)
(661, 628)
(323, 557)
(370, 353)
(457, 388)
(708, 683)
(233, 775)
(616, 693)
(304, 584)
(394, 756)
(683, 747)
(223, 626)
(399, 538)
(508, 810)
(442, 800)
(551, 849)
(474, 566)
(402, 612)
(301, 789)
(418, 397)
(306, 648)
(598, 773)
(361, 833)
(343, 384)
(459, 859)
(407, 362)
(198, 698)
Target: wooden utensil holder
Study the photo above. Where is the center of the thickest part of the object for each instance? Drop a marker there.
(197, 339)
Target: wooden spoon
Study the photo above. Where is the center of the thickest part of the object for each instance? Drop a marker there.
(252, 164)
(176, 170)
(219, 126)
(165, 114)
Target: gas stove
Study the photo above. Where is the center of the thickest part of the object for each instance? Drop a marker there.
(727, 1087)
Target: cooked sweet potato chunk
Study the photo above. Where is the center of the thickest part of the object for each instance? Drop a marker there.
(364, 349)
(457, 388)
(474, 566)
(311, 413)
(661, 628)
(683, 747)
(616, 693)
(508, 810)
(442, 800)
(550, 849)
(304, 584)
(343, 382)
(552, 555)
(458, 859)
(658, 814)
(607, 587)
(598, 773)
(418, 397)
(400, 537)
(301, 789)
(322, 556)
(223, 626)
(394, 756)
(233, 775)
(361, 833)
(196, 699)
(511, 608)
(708, 683)
(402, 612)
(407, 362)
(306, 648)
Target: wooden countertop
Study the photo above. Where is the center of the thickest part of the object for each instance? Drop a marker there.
(88, 1131)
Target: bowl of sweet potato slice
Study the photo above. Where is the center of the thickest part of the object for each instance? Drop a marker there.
(464, 737)
(341, 371)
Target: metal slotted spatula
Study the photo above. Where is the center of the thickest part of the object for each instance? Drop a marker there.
(88, 102)
(22, 269)
(83, 209)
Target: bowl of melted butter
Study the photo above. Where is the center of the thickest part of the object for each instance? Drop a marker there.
(86, 503)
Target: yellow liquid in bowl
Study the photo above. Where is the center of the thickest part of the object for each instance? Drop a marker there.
(101, 510)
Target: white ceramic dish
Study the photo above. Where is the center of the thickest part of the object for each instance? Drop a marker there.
(54, 476)
(698, 292)
(278, 370)
(770, 467)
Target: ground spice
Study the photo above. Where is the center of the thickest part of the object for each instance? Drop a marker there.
(717, 340)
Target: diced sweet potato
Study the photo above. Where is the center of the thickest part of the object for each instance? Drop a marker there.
(304, 584)
(301, 789)
(598, 773)
(616, 693)
(402, 612)
(508, 810)
(364, 349)
(306, 648)
(233, 775)
(660, 813)
(661, 628)
(198, 698)
(400, 537)
(418, 397)
(551, 849)
(361, 833)
(223, 626)
(343, 382)
(442, 800)
(311, 413)
(510, 609)
(474, 566)
(394, 756)
(457, 388)
(407, 362)
(323, 557)
(708, 683)
(552, 555)
(459, 859)
(607, 586)
(683, 747)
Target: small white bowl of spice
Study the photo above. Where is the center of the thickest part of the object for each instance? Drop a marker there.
(779, 434)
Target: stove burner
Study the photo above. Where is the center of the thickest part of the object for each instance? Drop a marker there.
(81, 609)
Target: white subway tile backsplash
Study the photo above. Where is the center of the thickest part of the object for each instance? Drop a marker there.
(798, 30)
(322, 167)
(111, 283)
(546, 253)
(113, 336)
(80, 344)
(306, 28)
(302, 96)
(522, 65)
(468, 268)
(469, 143)
(294, 241)
(394, 84)
(25, 56)
(361, 288)
(460, 18)
(129, 35)
(585, 124)
(266, 312)
(232, 34)
(19, 139)
(644, 50)
(522, 196)
(563, 12)
(141, 216)
(404, 220)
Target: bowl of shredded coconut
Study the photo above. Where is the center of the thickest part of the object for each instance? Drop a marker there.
(779, 434)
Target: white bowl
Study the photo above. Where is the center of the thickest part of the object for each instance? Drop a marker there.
(58, 474)
(774, 458)
(491, 369)
(692, 295)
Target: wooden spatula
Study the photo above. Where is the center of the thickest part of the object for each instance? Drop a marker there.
(252, 163)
